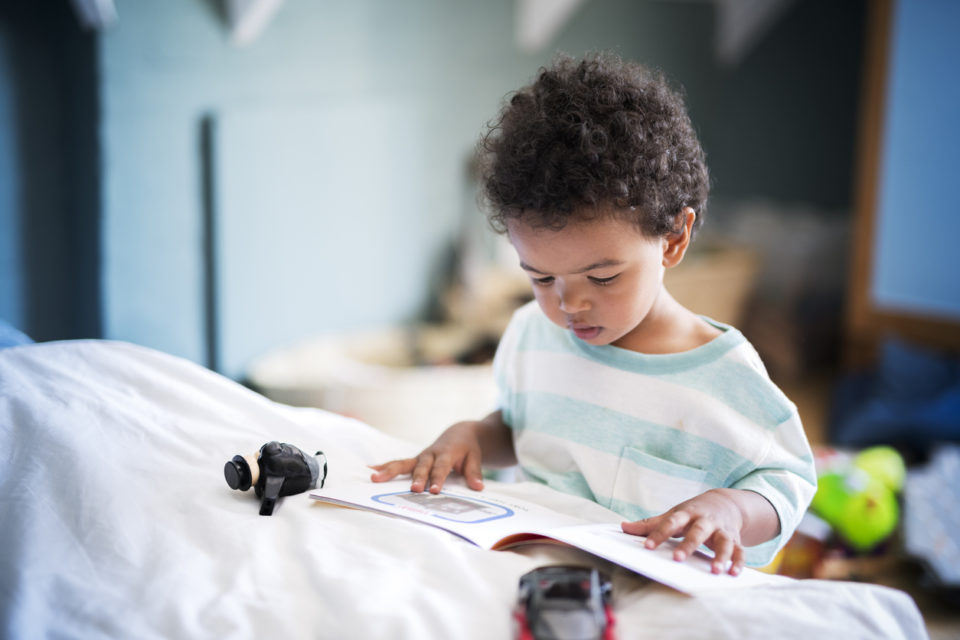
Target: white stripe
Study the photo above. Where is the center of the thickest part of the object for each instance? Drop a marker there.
(744, 353)
(790, 442)
(643, 397)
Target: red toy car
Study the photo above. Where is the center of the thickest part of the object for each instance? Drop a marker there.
(564, 603)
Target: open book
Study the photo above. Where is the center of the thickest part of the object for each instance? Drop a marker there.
(495, 521)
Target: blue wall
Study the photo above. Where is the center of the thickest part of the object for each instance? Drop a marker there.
(916, 261)
(11, 270)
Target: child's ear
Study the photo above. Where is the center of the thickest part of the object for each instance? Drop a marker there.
(675, 244)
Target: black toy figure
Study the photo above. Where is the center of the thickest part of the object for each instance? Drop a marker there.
(277, 469)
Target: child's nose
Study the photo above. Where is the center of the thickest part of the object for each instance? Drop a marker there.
(572, 300)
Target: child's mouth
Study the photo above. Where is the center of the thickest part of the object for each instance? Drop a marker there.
(585, 332)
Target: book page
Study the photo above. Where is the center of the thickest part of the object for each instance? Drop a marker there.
(495, 521)
(481, 517)
(693, 575)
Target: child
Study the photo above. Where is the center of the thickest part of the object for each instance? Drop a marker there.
(609, 388)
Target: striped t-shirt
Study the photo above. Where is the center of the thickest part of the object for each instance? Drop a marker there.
(641, 433)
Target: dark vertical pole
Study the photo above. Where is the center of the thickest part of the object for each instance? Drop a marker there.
(53, 81)
(83, 181)
(211, 318)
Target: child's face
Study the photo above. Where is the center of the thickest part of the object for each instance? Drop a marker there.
(600, 279)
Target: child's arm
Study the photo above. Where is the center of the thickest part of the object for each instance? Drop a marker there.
(460, 448)
(725, 520)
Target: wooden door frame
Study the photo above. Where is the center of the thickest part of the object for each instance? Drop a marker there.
(867, 325)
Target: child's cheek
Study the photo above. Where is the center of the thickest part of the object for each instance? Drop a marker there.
(548, 304)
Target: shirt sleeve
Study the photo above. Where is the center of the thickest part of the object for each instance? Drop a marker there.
(787, 478)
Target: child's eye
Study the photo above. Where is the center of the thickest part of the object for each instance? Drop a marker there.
(544, 281)
(603, 281)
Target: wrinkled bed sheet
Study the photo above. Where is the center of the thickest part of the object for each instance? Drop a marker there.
(116, 522)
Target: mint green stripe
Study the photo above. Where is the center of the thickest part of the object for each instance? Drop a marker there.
(733, 383)
(741, 388)
(629, 510)
(609, 431)
(571, 482)
(643, 459)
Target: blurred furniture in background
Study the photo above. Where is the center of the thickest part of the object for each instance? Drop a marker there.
(405, 382)
(411, 382)
(715, 280)
(780, 271)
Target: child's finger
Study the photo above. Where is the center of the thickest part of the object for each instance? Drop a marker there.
(695, 535)
(473, 471)
(421, 472)
(738, 561)
(638, 527)
(723, 547)
(390, 470)
(667, 526)
(442, 466)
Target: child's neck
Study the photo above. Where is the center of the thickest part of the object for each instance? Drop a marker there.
(669, 328)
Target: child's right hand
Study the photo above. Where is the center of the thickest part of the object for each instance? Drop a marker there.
(457, 449)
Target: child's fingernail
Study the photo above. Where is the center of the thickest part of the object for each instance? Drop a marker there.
(649, 544)
(679, 556)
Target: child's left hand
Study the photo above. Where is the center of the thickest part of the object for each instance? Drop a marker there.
(714, 518)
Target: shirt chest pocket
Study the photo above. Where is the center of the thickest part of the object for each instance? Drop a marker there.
(653, 484)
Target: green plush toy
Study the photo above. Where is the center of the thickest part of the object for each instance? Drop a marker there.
(858, 497)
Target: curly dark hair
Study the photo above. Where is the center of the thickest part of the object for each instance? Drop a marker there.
(588, 135)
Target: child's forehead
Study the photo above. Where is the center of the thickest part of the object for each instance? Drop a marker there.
(587, 225)
(582, 242)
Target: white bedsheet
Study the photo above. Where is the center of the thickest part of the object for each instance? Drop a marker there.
(116, 522)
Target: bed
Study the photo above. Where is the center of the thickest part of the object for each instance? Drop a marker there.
(116, 522)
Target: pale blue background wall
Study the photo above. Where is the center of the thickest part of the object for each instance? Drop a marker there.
(340, 142)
